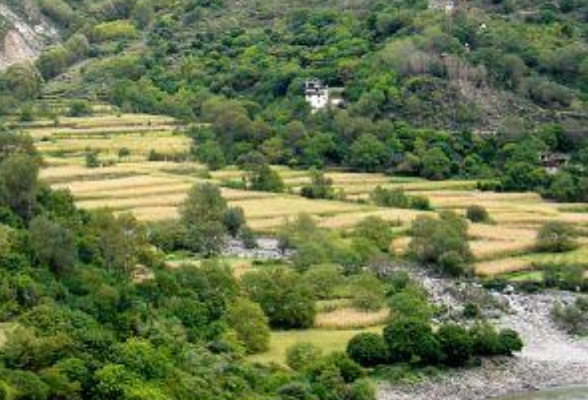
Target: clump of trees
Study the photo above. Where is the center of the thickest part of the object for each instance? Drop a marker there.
(397, 198)
(414, 341)
(283, 296)
(320, 187)
(206, 221)
(442, 242)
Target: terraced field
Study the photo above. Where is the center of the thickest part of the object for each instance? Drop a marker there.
(152, 190)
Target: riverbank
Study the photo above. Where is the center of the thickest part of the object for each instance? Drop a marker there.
(551, 358)
(495, 378)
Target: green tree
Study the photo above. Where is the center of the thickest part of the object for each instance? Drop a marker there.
(442, 242)
(211, 154)
(435, 164)
(368, 349)
(412, 341)
(377, 231)
(53, 244)
(283, 296)
(456, 345)
(23, 81)
(250, 324)
(202, 214)
(303, 355)
(556, 237)
(234, 220)
(263, 178)
(368, 153)
(320, 187)
(19, 185)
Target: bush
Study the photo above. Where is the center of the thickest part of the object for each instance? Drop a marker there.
(296, 391)
(234, 220)
(456, 345)
(362, 389)
(477, 214)
(485, 340)
(368, 349)
(420, 203)
(411, 302)
(572, 318)
(368, 292)
(320, 187)
(413, 341)
(556, 237)
(376, 230)
(301, 356)
(350, 370)
(79, 108)
(510, 342)
(264, 179)
(324, 280)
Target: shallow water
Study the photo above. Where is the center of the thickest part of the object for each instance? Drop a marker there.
(577, 393)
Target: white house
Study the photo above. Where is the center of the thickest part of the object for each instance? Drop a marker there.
(319, 96)
(316, 93)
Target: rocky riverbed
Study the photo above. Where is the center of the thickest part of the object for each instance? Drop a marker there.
(550, 358)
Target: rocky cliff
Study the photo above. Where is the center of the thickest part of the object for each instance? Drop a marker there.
(24, 32)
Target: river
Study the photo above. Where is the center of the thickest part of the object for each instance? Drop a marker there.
(576, 393)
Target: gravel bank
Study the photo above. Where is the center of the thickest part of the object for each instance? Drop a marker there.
(550, 357)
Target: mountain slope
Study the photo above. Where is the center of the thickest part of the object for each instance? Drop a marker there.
(24, 33)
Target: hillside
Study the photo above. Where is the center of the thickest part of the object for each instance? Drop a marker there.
(292, 199)
(24, 32)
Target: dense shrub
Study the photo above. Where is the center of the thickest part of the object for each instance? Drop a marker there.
(510, 342)
(477, 214)
(411, 340)
(320, 187)
(456, 345)
(368, 349)
(556, 237)
(302, 356)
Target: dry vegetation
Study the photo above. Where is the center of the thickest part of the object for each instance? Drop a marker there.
(152, 190)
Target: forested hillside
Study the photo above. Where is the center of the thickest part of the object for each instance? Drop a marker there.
(439, 89)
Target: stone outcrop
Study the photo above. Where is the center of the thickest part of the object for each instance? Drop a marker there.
(24, 33)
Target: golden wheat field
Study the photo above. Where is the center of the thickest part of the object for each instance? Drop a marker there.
(152, 190)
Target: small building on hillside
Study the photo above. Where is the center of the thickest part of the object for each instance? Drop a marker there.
(319, 96)
(553, 162)
(443, 5)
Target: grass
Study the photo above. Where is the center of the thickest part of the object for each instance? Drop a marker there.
(350, 318)
(327, 340)
(509, 265)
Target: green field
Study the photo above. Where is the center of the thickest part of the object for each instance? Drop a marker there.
(327, 340)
